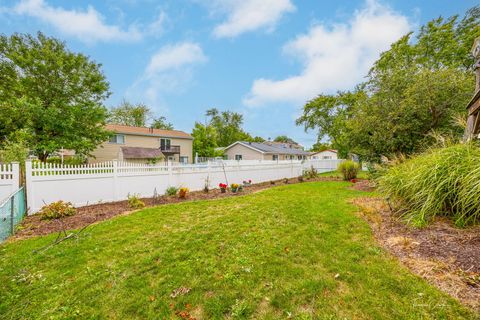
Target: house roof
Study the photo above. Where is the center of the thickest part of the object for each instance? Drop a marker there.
(144, 131)
(270, 149)
(141, 153)
(331, 150)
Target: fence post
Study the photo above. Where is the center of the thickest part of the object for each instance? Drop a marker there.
(30, 192)
(170, 172)
(15, 176)
(12, 213)
(115, 180)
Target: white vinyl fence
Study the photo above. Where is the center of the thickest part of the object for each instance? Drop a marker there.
(9, 179)
(113, 181)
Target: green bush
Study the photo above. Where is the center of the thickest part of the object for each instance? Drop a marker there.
(134, 202)
(171, 191)
(440, 182)
(349, 169)
(57, 210)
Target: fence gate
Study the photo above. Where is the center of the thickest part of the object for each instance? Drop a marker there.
(12, 211)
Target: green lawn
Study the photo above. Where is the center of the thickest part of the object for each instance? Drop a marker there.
(292, 251)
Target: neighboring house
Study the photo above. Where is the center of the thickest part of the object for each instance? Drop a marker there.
(242, 150)
(141, 144)
(324, 155)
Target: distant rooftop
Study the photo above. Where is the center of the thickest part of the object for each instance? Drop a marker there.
(273, 149)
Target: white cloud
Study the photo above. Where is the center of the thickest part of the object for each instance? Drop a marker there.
(170, 70)
(174, 57)
(249, 15)
(334, 57)
(88, 25)
(157, 27)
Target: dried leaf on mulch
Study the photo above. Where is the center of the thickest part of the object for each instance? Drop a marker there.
(446, 256)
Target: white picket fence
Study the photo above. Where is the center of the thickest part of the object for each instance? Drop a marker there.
(113, 181)
(9, 179)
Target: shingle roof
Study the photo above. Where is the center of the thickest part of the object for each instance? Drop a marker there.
(141, 153)
(144, 131)
(266, 148)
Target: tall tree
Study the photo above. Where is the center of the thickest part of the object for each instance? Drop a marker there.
(54, 94)
(161, 123)
(137, 115)
(228, 125)
(284, 139)
(415, 88)
(204, 140)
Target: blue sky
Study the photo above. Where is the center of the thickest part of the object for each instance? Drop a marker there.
(262, 58)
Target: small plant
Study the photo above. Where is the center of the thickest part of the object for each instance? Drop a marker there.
(57, 210)
(247, 183)
(171, 191)
(182, 193)
(156, 197)
(234, 187)
(134, 201)
(285, 180)
(272, 182)
(349, 169)
(223, 187)
(311, 173)
(300, 179)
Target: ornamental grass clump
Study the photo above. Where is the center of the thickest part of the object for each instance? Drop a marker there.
(440, 182)
(349, 169)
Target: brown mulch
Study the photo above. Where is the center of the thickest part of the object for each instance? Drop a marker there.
(363, 185)
(34, 226)
(446, 256)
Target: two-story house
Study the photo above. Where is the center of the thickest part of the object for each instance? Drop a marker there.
(141, 144)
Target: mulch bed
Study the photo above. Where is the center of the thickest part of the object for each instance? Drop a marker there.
(447, 256)
(34, 226)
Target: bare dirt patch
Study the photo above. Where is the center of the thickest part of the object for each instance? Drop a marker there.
(446, 256)
(33, 225)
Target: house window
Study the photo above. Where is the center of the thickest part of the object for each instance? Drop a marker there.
(164, 144)
(327, 157)
(184, 159)
(238, 157)
(275, 157)
(118, 139)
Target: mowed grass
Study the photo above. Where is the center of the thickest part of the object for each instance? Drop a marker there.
(294, 251)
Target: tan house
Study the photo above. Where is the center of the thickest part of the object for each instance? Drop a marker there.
(141, 144)
(328, 154)
(242, 150)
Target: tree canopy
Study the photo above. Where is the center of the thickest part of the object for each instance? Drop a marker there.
(221, 129)
(285, 139)
(416, 88)
(137, 115)
(51, 93)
